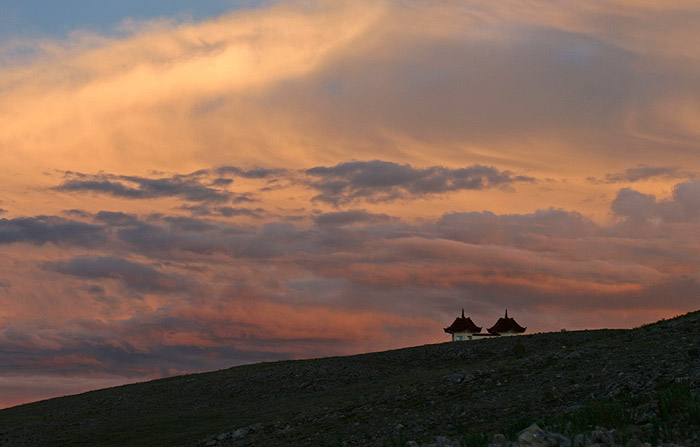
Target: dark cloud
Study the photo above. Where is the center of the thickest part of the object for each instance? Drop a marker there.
(634, 205)
(117, 218)
(373, 181)
(350, 217)
(378, 180)
(171, 238)
(225, 211)
(156, 239)
(513, 229)
(254, 173)
(95, 289)
(133, 187)
(181, 223)
(77, 213)
(686, 198)
(682, 206)
(243, 198)
(221, 181)
(136, 276)
(228, 211)
(643, 172)
(44, 229)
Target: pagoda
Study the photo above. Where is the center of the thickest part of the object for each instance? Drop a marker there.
(506, 326)
(462, 328)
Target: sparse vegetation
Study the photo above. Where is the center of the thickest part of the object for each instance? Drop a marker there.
(474, 440)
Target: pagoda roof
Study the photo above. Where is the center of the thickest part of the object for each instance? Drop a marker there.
(462, 324)
(506, 324)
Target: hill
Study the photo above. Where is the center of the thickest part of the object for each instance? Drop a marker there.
(640, 385)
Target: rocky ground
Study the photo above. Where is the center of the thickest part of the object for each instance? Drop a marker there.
(581, 388)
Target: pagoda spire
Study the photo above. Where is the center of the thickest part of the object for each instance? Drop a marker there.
(462, 312)
(506, 314)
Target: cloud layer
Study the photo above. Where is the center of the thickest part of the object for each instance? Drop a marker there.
(644, 172)
(380, 181)
(161, 294)
(133, 187)
(43, 229)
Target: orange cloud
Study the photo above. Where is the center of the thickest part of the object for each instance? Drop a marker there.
(300, 86)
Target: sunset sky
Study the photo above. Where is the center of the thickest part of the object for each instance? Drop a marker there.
(189, 186)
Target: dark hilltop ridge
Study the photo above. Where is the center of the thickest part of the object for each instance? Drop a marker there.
(582, 388)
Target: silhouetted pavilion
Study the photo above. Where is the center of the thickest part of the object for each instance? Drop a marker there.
(462, 328)
(506, 326)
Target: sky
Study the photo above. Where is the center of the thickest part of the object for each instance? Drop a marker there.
(188, 187)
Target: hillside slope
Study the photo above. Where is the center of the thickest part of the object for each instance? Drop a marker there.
(644, 382)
